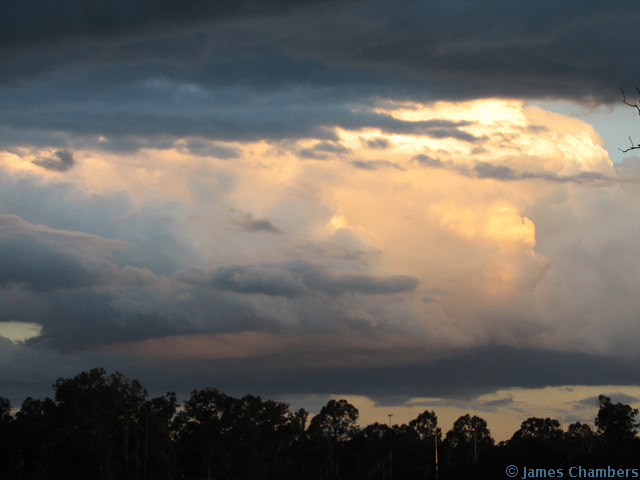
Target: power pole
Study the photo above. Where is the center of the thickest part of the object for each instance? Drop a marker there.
(435, 436)
(390, 459)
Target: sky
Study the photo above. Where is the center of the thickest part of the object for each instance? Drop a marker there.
(413, 205)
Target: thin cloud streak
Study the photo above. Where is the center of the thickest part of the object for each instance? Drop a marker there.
(486, 170)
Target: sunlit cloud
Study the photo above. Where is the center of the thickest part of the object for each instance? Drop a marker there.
(19, 332)
(461, 225)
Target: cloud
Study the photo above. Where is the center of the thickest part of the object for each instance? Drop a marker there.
(427, 161)
(379, 143)
(298, 368)
(486, 170)
(617, 397)
(246, 222)
(500, 402)
(208, 149)
(19, 331)
(466, 243)
(454, 51)
(323, 150)
(44, 259)
(294, 279)
(158, 78)
(243, 279)
(34, 22)
(374, 164)
(310, 248)
(61, 162)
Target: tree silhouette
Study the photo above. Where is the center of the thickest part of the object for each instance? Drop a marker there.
(615, 422)
(336, 420)
(539, 429)
(330, 430)
(468, 442)
(539, 442)
(580, 439)
(9, 456)
(426, 425)
(218, 436)
(103, 426)
(468, 431)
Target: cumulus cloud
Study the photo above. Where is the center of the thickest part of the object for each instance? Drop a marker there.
(423, 244)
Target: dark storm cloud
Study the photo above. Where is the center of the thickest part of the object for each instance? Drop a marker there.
(492, 369)
(138, 116)
(290, 69)
(60, 162)
(301, 278)
(461, 375)
(44, 259)
(478, 49)
(31, 21)
(85, 319)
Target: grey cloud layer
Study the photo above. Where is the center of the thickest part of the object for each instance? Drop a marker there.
(291, 69)
(85, 292)
(301, 278)
(43, 259)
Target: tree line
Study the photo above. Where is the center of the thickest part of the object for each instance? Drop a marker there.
(104, 426)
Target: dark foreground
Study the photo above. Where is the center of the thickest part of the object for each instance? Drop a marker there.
(105, 426)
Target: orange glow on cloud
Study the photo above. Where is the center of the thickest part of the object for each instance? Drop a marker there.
(464, 236)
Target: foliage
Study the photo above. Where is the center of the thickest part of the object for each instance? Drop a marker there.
(535, 429)
(426, 425)
(468, 431)
(616, 423)
(104, 426)
(336, 420)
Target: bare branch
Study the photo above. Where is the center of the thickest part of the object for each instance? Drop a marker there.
(637, 107)
(632, 147)
(624, 100)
